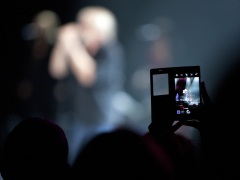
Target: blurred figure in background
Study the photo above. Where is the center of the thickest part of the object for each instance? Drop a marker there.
(88, 62)
(35, 87)
(157, 34)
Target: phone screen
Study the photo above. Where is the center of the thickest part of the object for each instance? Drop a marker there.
(176, 91)
(187, 92)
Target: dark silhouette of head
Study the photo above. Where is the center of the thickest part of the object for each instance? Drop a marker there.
(120, 154)
(36, 148)
(224, 135)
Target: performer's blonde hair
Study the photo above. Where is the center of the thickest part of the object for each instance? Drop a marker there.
(101, 18)
(49, 22)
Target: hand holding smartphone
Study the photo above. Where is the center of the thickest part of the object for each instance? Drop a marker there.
(175, 93)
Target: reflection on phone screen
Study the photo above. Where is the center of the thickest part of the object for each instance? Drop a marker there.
(160, 84)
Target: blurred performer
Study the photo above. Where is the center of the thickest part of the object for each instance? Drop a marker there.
(88, 62)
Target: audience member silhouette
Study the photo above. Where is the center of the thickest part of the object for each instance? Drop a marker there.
(223, 155)
(121, 154)
(218, 127)
(180, 149)
(36, 148)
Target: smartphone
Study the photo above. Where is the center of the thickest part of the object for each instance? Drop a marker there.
(175, 92)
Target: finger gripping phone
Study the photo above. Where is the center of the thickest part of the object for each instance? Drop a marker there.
(175, 92)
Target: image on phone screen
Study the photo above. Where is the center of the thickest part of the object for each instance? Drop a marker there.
(187, 92)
